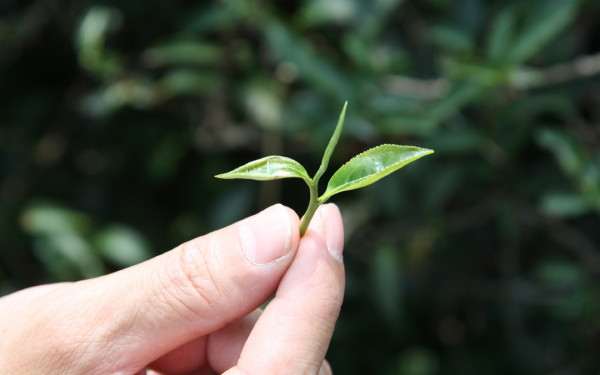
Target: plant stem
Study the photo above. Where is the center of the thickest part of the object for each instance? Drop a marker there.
(313, 204)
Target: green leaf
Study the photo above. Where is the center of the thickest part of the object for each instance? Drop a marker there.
(314, 66)
(541, 28)
(501, 35)
(182, 52)
(122, 245)
(68, 256)
(47, 218)
(371, 166)
(564, 205)
(569, 153)
(268, 168)
(332, 143)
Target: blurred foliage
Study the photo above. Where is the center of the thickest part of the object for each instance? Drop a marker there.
(485, 258)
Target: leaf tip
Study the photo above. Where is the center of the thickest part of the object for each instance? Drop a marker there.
(422, 150)
(226, 176)
(343, 113)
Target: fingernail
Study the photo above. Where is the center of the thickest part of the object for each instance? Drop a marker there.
(266, 236)
(334, 236)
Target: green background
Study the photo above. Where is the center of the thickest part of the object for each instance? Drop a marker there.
(483, 258)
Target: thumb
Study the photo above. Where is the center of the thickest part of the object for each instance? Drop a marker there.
(188, 292)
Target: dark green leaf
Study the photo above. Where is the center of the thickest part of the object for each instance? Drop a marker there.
(501, 35)
(549, 21)
(182, 52)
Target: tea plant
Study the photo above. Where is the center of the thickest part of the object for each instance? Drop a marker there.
(362, 170)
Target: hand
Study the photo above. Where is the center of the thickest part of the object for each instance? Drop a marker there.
(192, 310)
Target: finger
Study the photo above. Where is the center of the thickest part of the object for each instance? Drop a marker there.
(294, 331)
(325, 369)
(221, 350)
(157, 306)
(183, 360)
(16, 301)
(203, 371)
(225, 346)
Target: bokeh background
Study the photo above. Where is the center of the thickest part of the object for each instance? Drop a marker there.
(481, 259)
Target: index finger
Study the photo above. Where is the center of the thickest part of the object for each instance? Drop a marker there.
(294, 331)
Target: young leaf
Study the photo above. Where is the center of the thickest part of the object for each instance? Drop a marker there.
(268, 168)
(370, 166)
(331, 145)
(362, 170)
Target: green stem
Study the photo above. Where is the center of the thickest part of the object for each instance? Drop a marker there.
(313, 204)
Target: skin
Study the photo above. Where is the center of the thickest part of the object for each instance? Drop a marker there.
(194, 309)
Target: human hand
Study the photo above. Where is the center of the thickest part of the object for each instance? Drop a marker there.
(192, 310)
